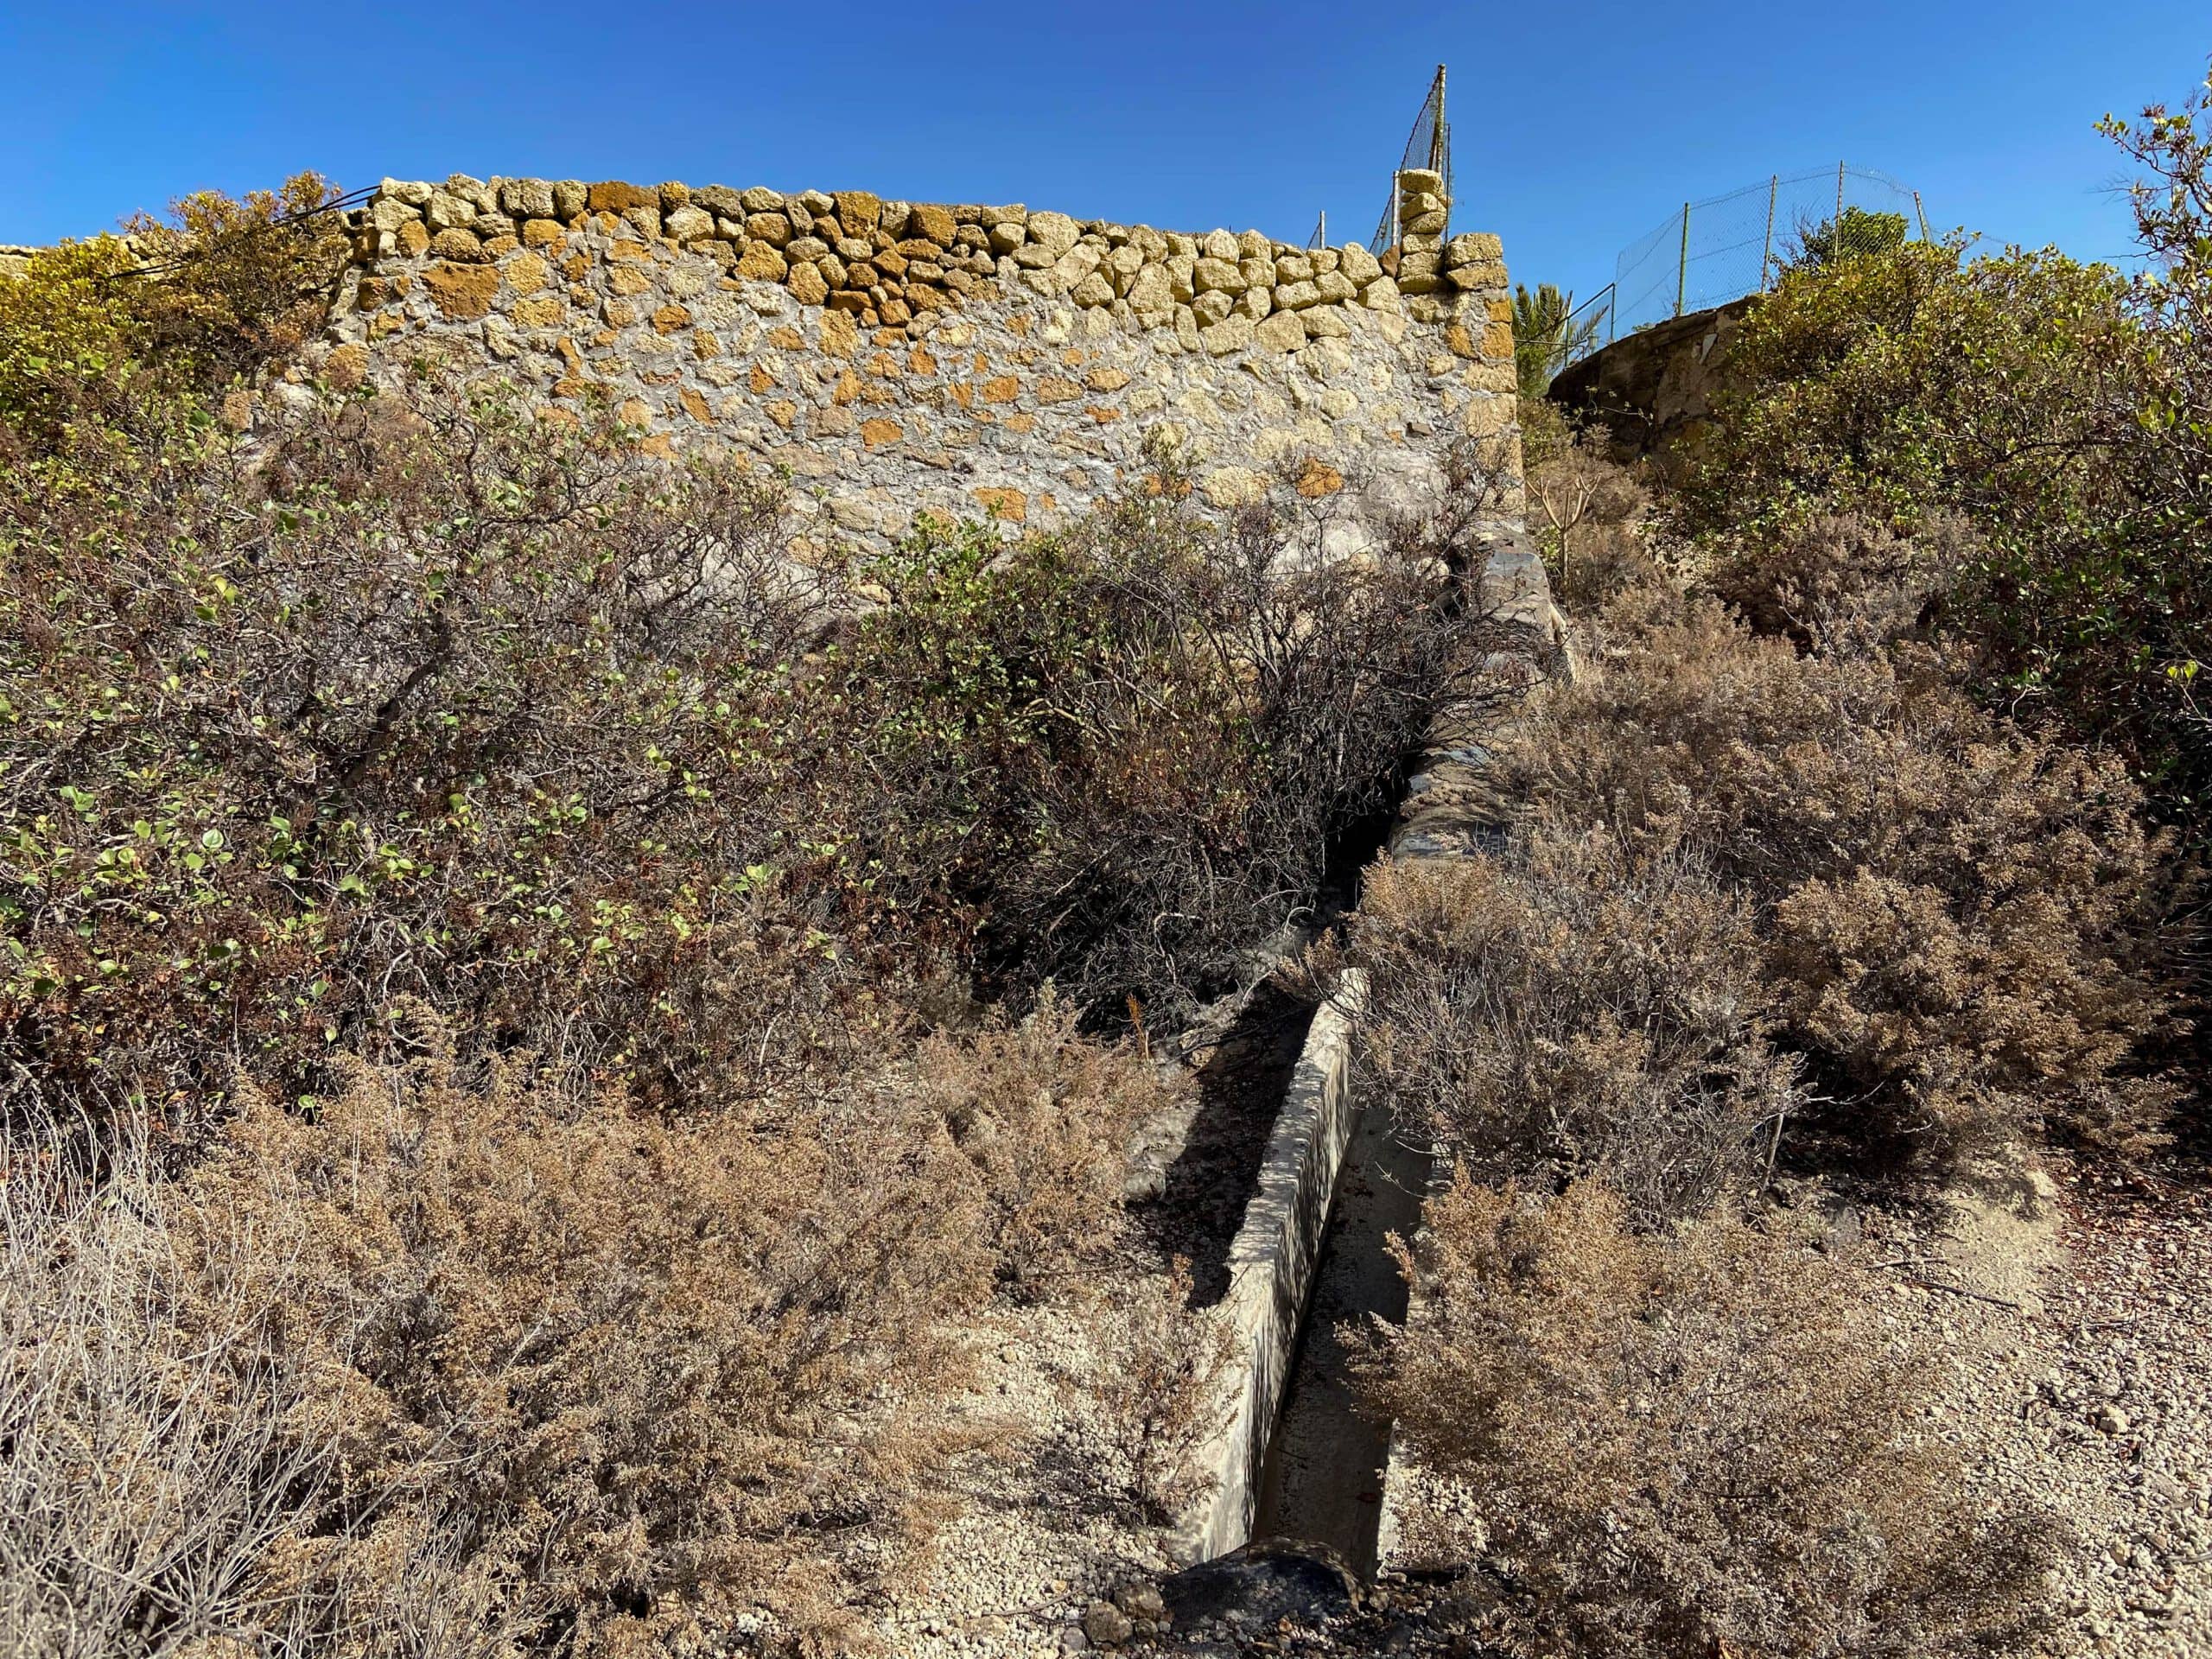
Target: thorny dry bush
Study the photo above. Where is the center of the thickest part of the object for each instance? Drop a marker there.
(1178, 716)
(409, 695)
(1958, 919)
(1690, 1444)
(166, 1457)
(1046, 1117)
(1580, 1008)
(1770, 888)
(1591, 519)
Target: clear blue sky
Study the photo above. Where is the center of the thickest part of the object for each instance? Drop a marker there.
(1577, 127)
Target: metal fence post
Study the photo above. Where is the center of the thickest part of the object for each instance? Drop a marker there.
(1766, 254)
(1682, 270)
(1839, 199)
(1921, 214)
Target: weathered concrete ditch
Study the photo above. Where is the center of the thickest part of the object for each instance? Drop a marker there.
(1271, 1266)
(1326, 1463)
(1295, 1458)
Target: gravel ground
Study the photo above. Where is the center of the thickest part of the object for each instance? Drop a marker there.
(1039, 1536)
(2079, 1335)
(2095, 1392)
(1042, 1534)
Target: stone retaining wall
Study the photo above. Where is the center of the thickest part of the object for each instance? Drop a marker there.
(969, 360)
(1654, 389)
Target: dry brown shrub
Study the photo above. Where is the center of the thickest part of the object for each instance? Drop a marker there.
(1045, 1115)
(1592, 517)
(1959, 916)
(1577, 1007)
(162, 1464)
(1685, 1445)
(664, 1378)
(1152, 1393)
(467, 1359)
(1842, 584)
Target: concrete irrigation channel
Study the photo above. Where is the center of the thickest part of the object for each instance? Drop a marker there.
(1294, 1459)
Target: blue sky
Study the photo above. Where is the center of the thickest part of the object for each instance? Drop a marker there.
(1576, 128)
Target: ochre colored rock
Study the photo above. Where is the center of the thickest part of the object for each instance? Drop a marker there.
(688, 225)
(858, 211)
(762, 263)
(841, 336)
(1055, 232)
(931, 223)
(346, 366)
(525, 274)
(461, 293)
(612, 196)
(1232, 334)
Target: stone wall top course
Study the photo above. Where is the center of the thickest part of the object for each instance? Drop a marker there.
(962, 358)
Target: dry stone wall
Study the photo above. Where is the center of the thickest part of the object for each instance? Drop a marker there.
(967, 360)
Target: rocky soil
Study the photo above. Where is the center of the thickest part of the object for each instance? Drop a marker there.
(2096, 1388)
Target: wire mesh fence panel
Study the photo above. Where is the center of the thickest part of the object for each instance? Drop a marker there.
(1591, 325)
(1709, 252)
(1429, 144)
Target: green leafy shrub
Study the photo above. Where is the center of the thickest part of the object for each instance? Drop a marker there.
(2048, 407)
(1851, 233)
(186, 305)
(1143, 738)
(426, 701)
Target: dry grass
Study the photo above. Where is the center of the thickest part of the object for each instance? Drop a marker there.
(1592, 518)
(1772, 888)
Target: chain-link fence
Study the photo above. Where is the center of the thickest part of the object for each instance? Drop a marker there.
(1710, 252)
